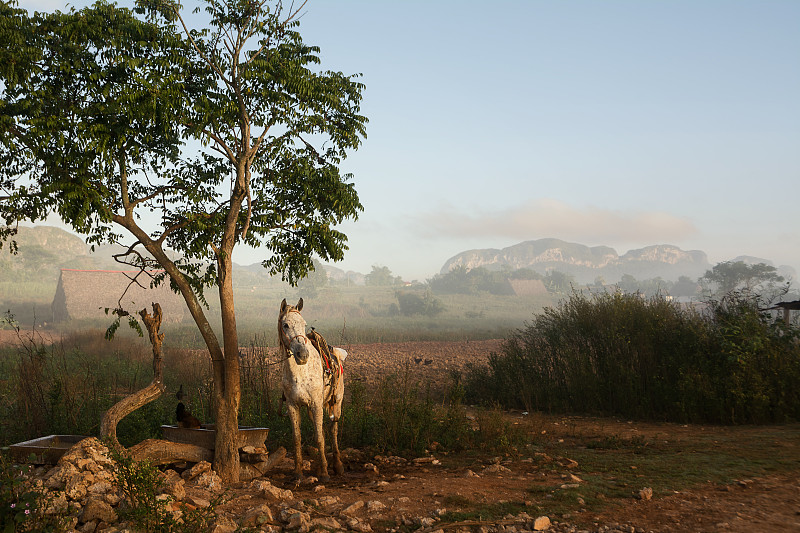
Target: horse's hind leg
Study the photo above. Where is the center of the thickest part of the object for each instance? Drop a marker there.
(338, 467)
(294, 416)
(322, 464)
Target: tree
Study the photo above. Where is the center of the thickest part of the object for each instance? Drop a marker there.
(558, 282)
(314, 282)
(136, 128)
(727, 277)
(381, 277)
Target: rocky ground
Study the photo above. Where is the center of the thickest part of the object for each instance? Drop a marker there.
(379, 493)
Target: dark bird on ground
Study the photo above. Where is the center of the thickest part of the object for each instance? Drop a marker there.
(185, 418)
(417, 359)
(427, 361)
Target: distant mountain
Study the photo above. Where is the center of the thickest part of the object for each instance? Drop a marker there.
(587, 263)
(339, 275)
(43, 252)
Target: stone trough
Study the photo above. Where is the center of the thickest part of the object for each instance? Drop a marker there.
(205, 435)
(44, 450)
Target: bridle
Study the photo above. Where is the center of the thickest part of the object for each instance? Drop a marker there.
(286, 341)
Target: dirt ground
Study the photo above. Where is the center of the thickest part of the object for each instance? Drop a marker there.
(403, 495)
(411, 490)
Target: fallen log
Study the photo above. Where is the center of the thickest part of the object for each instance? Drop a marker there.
(160, 452)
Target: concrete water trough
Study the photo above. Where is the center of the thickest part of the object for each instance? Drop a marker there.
(44, 450)
(204, 436)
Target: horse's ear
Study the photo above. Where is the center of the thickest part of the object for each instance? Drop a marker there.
(300, 305)
(283, 306)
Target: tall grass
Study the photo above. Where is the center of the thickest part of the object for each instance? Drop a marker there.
(64, 388)
(649, 358)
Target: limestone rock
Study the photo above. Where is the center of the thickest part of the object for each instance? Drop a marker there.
(646, 494)
(97, 509)
(270, 491)
(353, 509)
(200, 468)
(257, 516)
(542, 523)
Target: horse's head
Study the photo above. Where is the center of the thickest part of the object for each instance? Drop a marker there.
(292, 331)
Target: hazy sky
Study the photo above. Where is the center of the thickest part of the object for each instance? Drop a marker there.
(602, 122)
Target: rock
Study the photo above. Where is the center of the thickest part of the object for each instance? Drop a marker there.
(257, 516)
(76, 487)
(352, 509)
(375, 506)
(174, 485)
(646, 494)
(357, 525)
(328, 501)
(496, 469)
(101, 487)
(211, 481)
(99, 510)
(56, 504)
(200, 468)
(371, 469)
(89, 527)
(270, 491)
(542, 523)
(326, 522)
(248, 472)
(300, 521)
(470, 473)
(197, 501)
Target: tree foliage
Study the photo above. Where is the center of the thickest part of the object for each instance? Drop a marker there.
(381, 276)
(760, 279)
(138, 129)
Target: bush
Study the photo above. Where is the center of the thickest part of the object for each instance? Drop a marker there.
(648, 358)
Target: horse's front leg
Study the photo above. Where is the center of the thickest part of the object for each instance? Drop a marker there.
(294, 416)
(316, 412)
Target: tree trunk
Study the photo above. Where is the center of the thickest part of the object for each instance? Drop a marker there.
(124, 407)
(228, 393)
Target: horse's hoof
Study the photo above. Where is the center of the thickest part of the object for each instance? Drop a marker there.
(338, 468)
(324, 478)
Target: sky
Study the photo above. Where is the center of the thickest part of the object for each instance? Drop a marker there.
(622, 123)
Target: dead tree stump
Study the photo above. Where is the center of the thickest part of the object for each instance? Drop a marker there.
(108, 426)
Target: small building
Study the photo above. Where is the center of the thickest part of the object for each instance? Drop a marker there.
(85, 294)
(528, 287)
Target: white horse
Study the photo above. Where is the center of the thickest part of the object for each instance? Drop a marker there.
(305, 383)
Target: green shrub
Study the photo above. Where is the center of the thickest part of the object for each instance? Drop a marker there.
(648, 358)
(140, 482)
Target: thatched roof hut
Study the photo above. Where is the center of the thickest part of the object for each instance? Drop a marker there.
(527, 287)
(84, 294)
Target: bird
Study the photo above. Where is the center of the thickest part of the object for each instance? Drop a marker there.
(427, 361)
(417, 359)
(185, 418)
